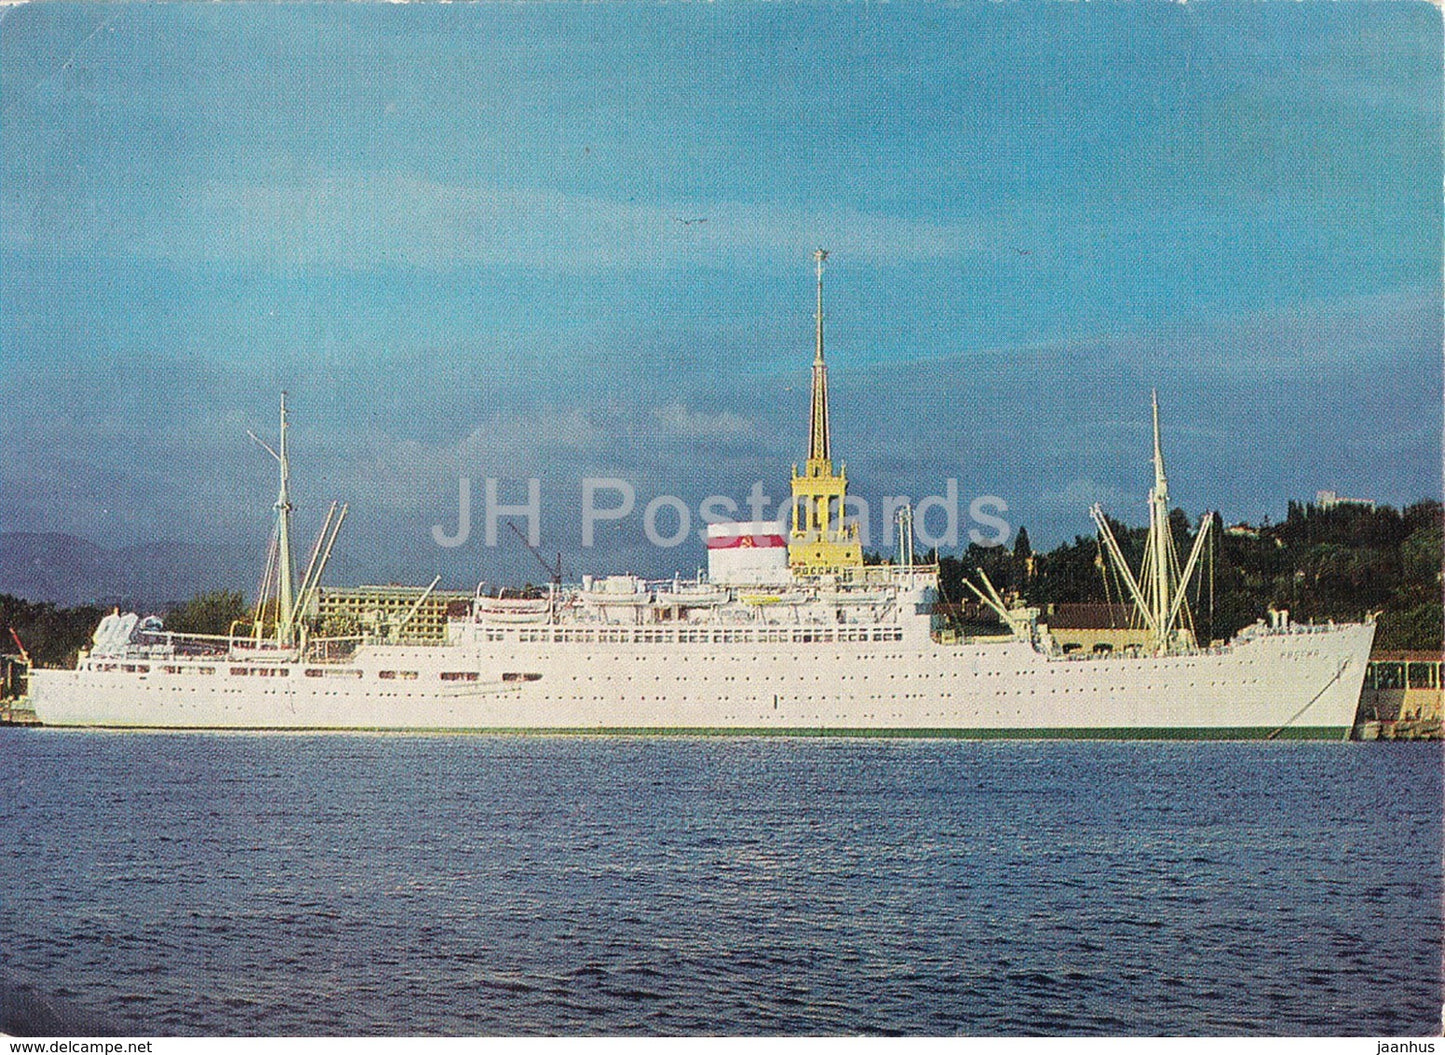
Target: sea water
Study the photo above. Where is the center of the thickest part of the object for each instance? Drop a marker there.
(338, 884)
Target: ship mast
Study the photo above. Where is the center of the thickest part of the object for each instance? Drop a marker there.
(280, 568)
(1162, 560)
(1159, 591)
(285, 623)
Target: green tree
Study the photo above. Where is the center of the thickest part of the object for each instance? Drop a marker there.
(52, 636)
(344, 623)
(209, 613)
(1023, 549)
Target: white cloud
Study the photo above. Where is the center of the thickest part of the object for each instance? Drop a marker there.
(677, 420)
(406, 474)
(1083, 492)
(361, 221)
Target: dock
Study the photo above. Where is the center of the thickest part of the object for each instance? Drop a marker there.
(15, 708)
(1401, 697)
(17, 712)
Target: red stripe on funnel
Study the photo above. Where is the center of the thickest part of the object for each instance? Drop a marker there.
(746, 542)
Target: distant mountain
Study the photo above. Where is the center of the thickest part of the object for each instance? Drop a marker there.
(67, 570)
(41, 567)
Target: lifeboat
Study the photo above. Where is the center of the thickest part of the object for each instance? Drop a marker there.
(513, 609)
(850, 597)
(621, 590)
(785, 597)
(690, 595)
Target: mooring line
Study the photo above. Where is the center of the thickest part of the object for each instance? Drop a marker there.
(1313, 698)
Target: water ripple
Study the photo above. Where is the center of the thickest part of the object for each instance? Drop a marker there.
(394, 885)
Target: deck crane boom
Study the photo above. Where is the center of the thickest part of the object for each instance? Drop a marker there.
(554, 572)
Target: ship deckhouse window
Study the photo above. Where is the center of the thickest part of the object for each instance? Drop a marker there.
(1422, 675)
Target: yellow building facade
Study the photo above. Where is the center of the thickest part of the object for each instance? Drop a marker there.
(822, 540)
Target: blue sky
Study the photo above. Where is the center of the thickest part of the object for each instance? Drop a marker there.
(454, 233)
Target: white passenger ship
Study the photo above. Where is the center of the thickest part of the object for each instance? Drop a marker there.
(789, 633)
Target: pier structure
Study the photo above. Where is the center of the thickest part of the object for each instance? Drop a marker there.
(1401, 697)
(15, 706)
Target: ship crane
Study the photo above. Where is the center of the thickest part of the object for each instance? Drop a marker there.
(554, 572)
(24, 655)
(411, 613)
(1160, 589)
(1020, 621)
(320, 557)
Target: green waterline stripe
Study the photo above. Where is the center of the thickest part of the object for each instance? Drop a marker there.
(1308, 732)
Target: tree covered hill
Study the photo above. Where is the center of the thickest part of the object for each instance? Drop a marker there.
(1338, 563)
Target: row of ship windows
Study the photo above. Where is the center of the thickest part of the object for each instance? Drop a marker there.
(521, 676)
(574, 698)
(764, 717)
(628, 678)
(310, 672)
(1071, 669)
(367, 694)
(891, 696)
(804, 701)
(388, 675)
(710, 636)
(643, 659)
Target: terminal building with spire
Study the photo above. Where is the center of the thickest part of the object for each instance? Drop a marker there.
(822, 540)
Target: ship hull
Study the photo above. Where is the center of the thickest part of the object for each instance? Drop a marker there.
(1290, 685)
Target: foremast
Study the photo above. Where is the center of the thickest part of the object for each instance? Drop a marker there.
(280, 566)
(822, 541)
(1161, 560)
(1159, 591)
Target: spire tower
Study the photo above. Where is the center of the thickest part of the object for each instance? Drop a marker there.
(821, 541)
(818, 438)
